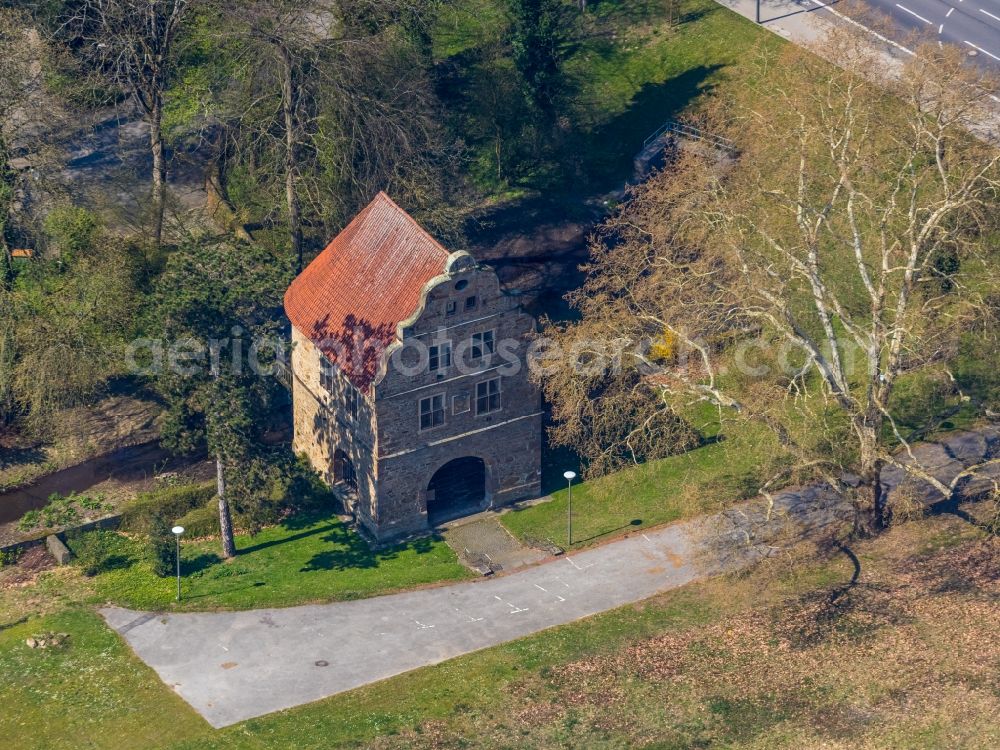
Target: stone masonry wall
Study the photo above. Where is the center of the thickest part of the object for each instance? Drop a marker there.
(323, 426)
(508, 440)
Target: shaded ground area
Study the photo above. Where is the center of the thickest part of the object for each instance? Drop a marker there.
(83, 433)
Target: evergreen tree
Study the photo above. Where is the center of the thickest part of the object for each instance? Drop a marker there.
(537, 36)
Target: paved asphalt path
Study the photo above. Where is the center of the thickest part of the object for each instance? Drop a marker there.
(236, 665)
(972, 25)
(232, 666)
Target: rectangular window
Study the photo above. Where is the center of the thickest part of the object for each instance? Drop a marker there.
(488, 396)
(482, 344)
(440, 357)
(327, 376)
(431, 411)
(470, 303)
(351, 399)
(450, 306)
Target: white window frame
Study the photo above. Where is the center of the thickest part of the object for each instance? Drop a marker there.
(327, 373)
(439, 352)
(488, 396)
(481, 347)
(352, 399)
(420, 411)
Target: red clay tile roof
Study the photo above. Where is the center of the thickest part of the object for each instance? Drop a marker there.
(349, 300)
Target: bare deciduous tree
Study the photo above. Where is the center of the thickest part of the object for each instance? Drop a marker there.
(843, 249)
(132, 45)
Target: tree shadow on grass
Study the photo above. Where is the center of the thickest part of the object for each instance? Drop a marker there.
(200, 563)
(611, 148)
(351, 552)
(292, 524)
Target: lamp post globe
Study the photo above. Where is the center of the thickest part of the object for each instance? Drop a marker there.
(569, 476)
(177, 531)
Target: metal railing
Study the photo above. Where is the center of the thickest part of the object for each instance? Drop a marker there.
(689, 131)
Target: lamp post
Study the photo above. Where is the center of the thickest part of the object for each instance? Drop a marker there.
(569, 476)
(177, 531)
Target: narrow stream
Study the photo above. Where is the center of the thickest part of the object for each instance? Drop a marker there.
(125, 465)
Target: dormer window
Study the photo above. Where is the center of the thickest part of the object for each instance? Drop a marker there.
(450, 306)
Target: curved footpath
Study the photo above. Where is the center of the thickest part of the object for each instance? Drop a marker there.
(232, 666)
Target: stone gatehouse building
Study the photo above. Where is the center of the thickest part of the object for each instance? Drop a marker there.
(409, 377)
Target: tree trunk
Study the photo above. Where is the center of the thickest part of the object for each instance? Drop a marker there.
(288, 102)
(159, 171)
(225, 518)
(870, 512)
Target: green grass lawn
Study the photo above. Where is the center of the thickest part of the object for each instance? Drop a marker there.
(626, 71)
(305, 559)
(693, 483)
(754, 661)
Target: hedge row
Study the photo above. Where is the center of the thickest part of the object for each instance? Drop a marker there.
(169, 503)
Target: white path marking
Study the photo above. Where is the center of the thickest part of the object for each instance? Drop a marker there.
(561, 599)
(950, 11)
(995, 18)
(980, 49)
(514, 609)
(471, 618)
(422, 626)
(915, 15)
(570, 560)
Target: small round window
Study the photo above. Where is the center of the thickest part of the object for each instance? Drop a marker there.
(461, 284)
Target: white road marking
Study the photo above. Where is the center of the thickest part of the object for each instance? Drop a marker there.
(941, 29)
(995, 18)
(471, 618)
(915, 15)
(561, 599)
(980, 49)
(570, 559)
(514, 609)
(422, 626)
(950, 11)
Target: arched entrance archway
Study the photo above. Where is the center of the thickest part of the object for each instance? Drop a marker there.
(456, 489)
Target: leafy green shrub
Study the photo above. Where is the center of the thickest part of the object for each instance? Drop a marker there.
(61, 511)
(168, 503)
(202, 521)
(10, 556)
(161, 547)
(71, 230)
(97, 551)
